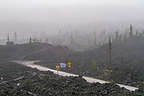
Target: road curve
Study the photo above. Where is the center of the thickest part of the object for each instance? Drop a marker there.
(88, 79)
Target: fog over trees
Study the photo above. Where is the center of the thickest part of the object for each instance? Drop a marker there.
(47, 17)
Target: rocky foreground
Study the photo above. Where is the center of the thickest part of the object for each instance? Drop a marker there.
(17, 80)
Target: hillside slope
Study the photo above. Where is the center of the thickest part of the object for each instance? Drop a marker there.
(127, 61)
(32, 51)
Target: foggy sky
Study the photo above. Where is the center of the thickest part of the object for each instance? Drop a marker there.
(48, 16)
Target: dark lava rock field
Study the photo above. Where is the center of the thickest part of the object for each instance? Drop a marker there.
(17, 80)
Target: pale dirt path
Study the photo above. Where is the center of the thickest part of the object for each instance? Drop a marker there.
(88, 79)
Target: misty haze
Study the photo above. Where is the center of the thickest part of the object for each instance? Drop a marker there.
(71, 48)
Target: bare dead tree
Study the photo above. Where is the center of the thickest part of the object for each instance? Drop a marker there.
(109, 51)
(131, 30)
